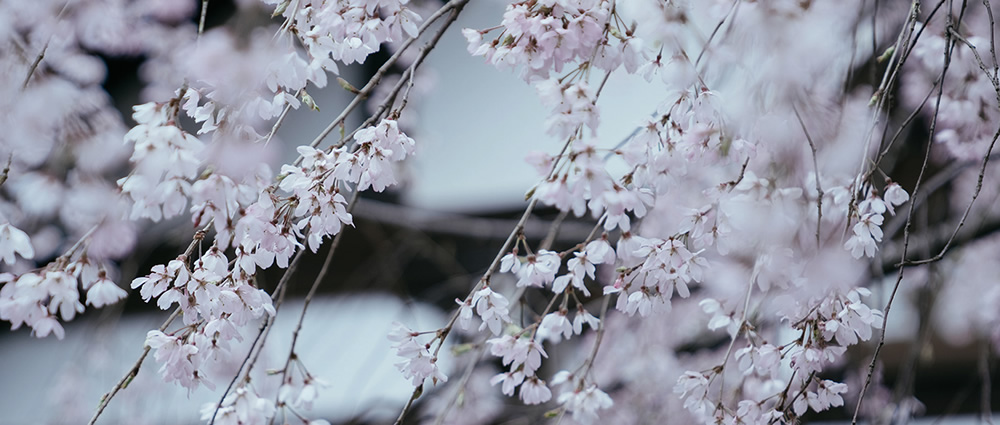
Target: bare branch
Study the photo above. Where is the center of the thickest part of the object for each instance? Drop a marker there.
(819, 188)
(201, 19)
(133, 371)
(949, 46)
(986, 383)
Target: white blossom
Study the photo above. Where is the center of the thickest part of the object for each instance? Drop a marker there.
(534, 391)
(585, 403)
(14, 241)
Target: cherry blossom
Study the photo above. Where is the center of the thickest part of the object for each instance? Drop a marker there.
(14, 241)
(491, 308)
(418, 364)
(538, 269)
(242, 406)
(534, 391)
(555, 327)
(104, 292)
(177, 358)
(509, 381)
(582, 317)
(585, 403)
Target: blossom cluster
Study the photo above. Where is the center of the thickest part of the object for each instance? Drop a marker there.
(523, 355)
(587, 185)
(969, 104)
(62, 149)
(826, 327)
(40, 299)
(242, 406)
(660, 267)
(867, 232)
(418, 364)
(218, 296)
(165, 159)
(544, 36)
(345, 31)
(215, 302)
(489, 305)
(583, 400)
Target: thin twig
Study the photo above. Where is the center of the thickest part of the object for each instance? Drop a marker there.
(409, 86)
(361, 95)
(122, 383)
(993, 43)
(906, 122)
(251, 358)
(416, 394)
(732, 343)
(283, 282)
(965, 215)
(908, 368)
(904, 45)
(986, 158)
(201, 20)
(405, 80)
(198, 236)
(236, 377)
(805, 385)
(554, 230)
(481, 346)
(79, 242)
(320, 277)
(281, 289)
(979, 60)
(949, 45)
(41, 54)
(986, 383)
(704, 47)
(819, 188)
(6, 169)
(875, 37)
(281, 120)
(265, 329)
(443, 333)
(460, 385)
(601, 327)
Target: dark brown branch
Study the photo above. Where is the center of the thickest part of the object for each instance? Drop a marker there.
(312, 293)
(985, 382)
(965, 215)
(819, 188)
(132, 372)
(949, 46)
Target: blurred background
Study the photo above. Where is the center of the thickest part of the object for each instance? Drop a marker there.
(413, 251)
